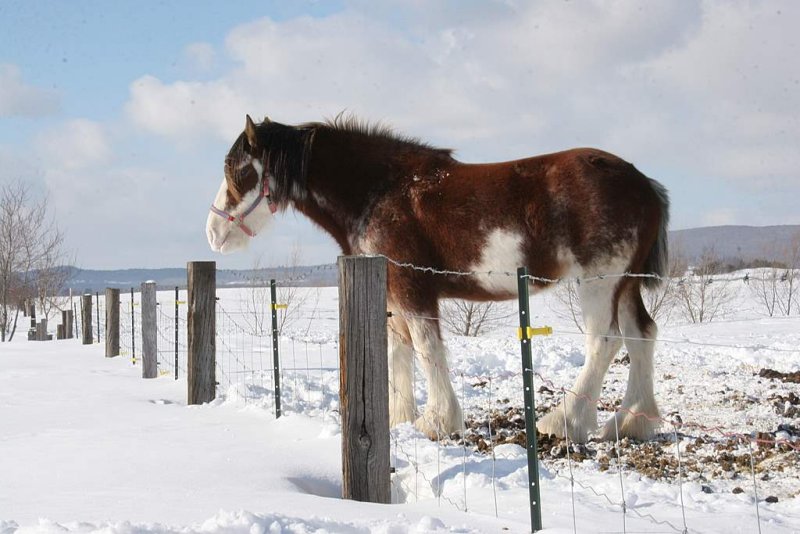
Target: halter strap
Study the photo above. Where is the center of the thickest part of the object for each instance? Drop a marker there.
(238, 220)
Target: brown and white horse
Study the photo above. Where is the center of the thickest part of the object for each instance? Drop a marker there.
(578, 213)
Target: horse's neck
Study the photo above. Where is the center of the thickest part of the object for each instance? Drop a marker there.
(343, 183)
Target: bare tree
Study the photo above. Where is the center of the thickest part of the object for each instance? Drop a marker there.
(568, 304)
(469, 318)
(776, 287)
(30, 246)
(790, 300)
(703, 295)
(661, 301)
(288, 294)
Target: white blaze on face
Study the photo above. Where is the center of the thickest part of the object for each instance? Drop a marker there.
(225, 236)
(502, 252)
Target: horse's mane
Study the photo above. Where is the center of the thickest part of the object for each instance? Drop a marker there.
(379, 131)
(290, 148)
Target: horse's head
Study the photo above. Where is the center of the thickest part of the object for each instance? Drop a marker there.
(243, 205)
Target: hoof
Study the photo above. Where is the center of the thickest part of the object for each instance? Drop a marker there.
(435, 426)
(631, 426)
(553, 423)
(398, 417)
(402, 408)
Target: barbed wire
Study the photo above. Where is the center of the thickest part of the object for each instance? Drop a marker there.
(252, 278)
(683, 280)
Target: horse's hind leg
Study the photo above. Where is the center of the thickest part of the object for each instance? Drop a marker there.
(402, 405)
(602, 343)
(442, 413)
(638, 417)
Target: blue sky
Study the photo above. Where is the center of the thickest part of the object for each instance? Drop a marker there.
(122, 112)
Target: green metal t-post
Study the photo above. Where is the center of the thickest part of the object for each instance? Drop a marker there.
(530, 405)
(276, 370)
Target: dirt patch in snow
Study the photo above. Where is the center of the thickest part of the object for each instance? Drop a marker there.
(720, 463)
(793, 377)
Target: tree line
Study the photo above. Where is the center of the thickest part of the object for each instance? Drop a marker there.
(32, 255)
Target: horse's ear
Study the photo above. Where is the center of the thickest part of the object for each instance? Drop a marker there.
(250, 132)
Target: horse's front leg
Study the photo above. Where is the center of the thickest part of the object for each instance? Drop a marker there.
(402, 404)
(442, 413)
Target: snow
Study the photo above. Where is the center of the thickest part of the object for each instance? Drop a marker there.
(87, 445)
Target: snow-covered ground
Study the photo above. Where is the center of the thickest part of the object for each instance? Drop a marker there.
(87, 445)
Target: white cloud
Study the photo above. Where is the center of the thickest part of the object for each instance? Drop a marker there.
(201, 56)
(705, 94)
(185, 110)
(74, 145)
(20, 99)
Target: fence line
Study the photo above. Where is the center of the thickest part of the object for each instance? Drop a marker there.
(241, 349)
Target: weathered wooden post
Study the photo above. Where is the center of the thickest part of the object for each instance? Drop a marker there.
(133, 329)
(201, 319)
(73, 321)
(177, 316)
(41, 330)
(86, 318)
(112, 322)
(149, 331)
(364, 383)
(69, 323)
(97, 303)
(32, 313)
(75, 316)
(60, 331)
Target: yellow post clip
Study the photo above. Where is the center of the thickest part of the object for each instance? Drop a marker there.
(279, 306)
(180, 302)
(530, 332)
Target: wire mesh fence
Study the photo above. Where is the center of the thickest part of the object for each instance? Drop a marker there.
(482, 467)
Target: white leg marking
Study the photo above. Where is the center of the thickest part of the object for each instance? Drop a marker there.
(402, 404)
(596, 301)
(442, 414)
(639, 415)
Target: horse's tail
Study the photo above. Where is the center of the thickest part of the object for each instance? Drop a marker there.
(657, 260)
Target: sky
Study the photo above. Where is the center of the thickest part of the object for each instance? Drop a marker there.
(122, 113)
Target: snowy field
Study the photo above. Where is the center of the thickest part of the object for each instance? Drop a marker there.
(86, 445)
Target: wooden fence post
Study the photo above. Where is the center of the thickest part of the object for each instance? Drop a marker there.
(364, 383)
(201, 319)
(86, 319)
(149, 331)
(41, 330)
(112, 322)
(69, 322)
(60, 331)
(97, 313)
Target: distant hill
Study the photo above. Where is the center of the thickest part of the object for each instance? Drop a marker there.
(733, 242)
(729, 242)
(97, 280)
